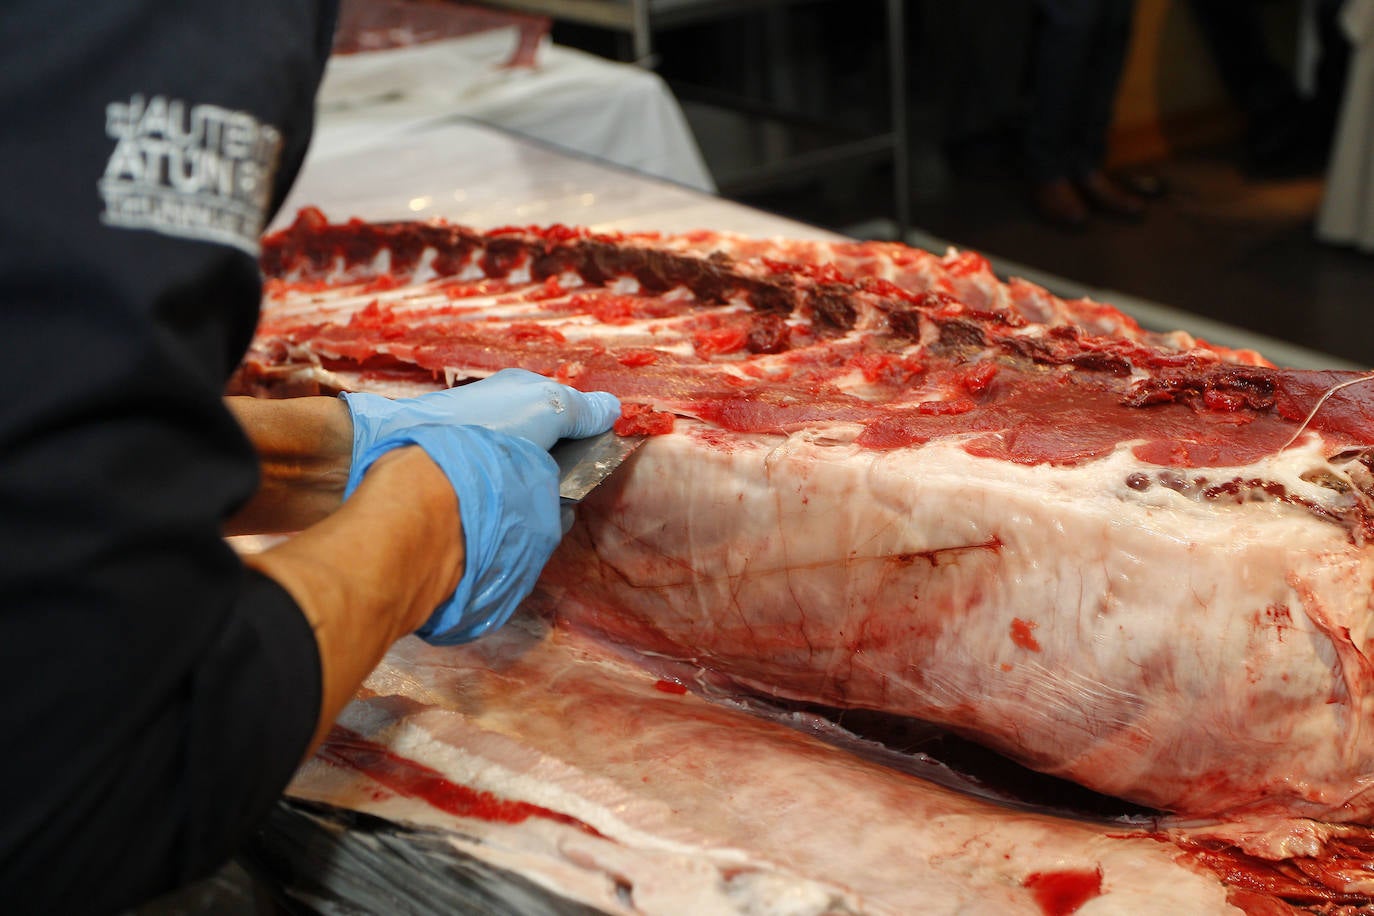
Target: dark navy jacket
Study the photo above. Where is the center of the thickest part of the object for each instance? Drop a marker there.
(155, 696)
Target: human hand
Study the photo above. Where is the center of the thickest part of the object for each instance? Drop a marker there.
(507, 489)
(513, 401)
(491, 440)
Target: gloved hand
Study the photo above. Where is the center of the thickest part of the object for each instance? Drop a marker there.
(507, 490)
(513, 401)
(491, 439)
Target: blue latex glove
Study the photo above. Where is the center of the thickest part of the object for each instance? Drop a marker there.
(513, 401)
(491, 439)
(507, 491)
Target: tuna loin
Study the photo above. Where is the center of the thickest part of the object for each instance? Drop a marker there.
(885, 479)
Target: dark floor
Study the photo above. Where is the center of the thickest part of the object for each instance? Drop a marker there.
(1221, 244)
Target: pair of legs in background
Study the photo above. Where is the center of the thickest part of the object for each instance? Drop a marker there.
(1076, 64)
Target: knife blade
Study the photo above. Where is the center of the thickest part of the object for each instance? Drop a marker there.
(584, 463)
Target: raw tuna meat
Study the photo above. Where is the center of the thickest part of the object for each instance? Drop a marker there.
(884, 479)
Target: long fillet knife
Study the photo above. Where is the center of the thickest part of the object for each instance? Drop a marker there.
(584, 463)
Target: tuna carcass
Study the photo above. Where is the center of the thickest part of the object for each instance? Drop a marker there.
(884, 479)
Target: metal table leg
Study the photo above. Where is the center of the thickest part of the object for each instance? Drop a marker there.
(901, 163)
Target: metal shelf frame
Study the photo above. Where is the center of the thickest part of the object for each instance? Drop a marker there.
(639, 19)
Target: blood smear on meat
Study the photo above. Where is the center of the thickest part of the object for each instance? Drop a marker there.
(1061, 893)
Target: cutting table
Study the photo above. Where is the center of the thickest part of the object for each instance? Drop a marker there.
(471, 173)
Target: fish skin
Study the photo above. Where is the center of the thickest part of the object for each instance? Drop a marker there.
(706, 808)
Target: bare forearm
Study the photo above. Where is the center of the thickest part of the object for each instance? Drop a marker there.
(304, 446)
(373, 571)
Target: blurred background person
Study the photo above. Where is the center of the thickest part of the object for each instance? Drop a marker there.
(1287, 132)
(1076, 64)
(1347, 211)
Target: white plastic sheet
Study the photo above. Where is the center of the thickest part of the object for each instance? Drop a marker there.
(418, 168)
(1347, 213)
(584, 104)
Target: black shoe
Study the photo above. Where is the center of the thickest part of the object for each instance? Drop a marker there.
(1109, 197)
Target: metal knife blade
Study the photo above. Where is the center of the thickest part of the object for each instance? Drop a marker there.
(584, 463)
